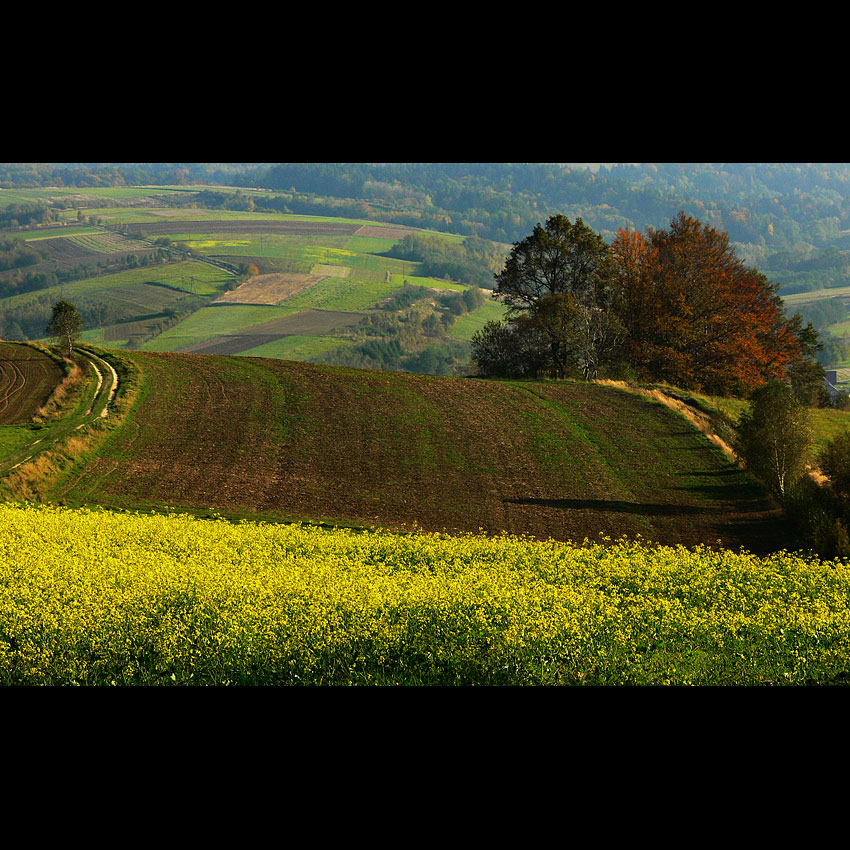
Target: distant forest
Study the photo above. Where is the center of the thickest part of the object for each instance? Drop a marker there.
(791, 220)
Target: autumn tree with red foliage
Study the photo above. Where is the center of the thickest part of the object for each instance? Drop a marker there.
(696, 316)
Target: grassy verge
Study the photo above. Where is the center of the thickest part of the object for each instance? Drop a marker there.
(723, 414)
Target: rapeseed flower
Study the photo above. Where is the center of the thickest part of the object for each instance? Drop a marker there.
(99, 597)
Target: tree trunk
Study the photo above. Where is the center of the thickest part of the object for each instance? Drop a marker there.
(560, 368)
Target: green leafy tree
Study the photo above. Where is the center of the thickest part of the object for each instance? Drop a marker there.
(774, 437)
(509, 350)
(807, 374)
(560, 278)
(64, 326)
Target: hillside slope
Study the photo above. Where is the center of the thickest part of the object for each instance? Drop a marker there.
(280, 439)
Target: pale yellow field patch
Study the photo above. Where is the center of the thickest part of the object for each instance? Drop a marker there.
(216, 243)
(269, 288)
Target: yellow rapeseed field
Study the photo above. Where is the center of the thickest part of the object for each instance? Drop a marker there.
(98, 597)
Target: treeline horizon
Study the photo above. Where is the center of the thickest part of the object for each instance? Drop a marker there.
(791, 219)
(742, 199)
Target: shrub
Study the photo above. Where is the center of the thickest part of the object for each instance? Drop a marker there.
(819, 518)
(500, 350)
(842, 401)
(829, 538)
(835, 463)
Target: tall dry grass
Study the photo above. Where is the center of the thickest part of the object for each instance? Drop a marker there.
(32, 480)
(64, 397)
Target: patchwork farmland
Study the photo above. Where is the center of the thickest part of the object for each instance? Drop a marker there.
(319, 278)
(81, 247)
(301, 324)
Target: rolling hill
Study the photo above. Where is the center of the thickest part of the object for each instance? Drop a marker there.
(281, 440)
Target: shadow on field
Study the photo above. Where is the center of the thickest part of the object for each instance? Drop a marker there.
(763, 535)
(726, 491)
(611, 505)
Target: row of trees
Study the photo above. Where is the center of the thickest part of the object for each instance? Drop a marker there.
(24, 215)
(674, 305)
(474, 261)
(17, 254)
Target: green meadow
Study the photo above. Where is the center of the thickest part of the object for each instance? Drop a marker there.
(209, 322)
(52, 233)
(296, 347)
(467, 326)
(195, 277)
(348, 294)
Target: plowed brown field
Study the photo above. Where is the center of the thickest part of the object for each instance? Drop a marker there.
(231, 343)
(303, 323)
(27, 378)
(279, 439)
